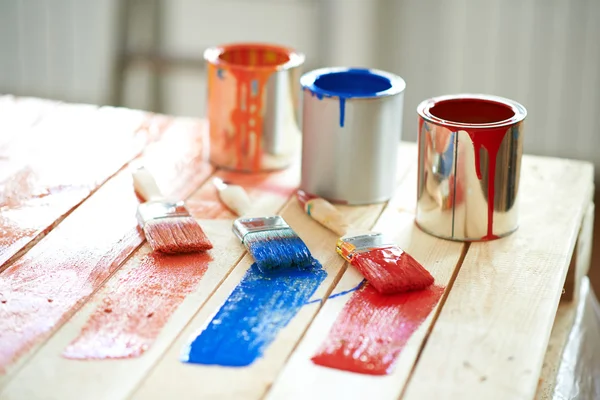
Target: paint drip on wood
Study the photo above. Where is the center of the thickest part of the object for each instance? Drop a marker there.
(252, 316)
(372, 329)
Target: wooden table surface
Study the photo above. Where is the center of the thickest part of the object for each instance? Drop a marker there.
(70, 246)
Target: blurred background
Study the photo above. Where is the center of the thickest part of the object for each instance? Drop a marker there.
(147, 54)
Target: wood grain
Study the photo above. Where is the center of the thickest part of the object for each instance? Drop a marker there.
(491, 336)
(301, 379)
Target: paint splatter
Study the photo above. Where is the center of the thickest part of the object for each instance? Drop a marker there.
(250, 319)
(372, 329)
(137, 306)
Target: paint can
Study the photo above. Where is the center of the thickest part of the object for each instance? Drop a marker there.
(470, 150)
(253, 106)
(351, 129)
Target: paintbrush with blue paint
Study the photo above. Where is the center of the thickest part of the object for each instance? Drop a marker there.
(270, 240)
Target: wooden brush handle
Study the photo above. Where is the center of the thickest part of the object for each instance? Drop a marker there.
(324, 213)
(233, 196)
(146, 186)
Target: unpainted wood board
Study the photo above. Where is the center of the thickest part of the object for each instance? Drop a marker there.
(172, 378)
(565, 315)
(61, 378)
(491, 336)
(301, 379)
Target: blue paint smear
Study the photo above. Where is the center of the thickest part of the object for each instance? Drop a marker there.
(250, 319)
(277, 250)
(333, 296)
(348, 83)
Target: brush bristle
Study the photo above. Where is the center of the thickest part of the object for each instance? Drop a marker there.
(176, 235)
(390, 270)
(277, 250)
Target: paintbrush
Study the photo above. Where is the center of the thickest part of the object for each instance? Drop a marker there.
(168, 226)
(385, 266)
(270, 240)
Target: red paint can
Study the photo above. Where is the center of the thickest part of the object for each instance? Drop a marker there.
(470, 150)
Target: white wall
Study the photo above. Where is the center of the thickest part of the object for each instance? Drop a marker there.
(542, 53)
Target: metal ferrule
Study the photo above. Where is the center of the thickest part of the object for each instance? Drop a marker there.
(347, 247)
(160, 209)
(244, 226)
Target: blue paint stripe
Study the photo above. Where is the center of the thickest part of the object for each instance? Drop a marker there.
(250, 319)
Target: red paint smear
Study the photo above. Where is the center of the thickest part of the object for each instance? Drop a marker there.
(137, 306)
(491, 140)
(391, 270)
(372, 329)
(36, 190)
(50, 282)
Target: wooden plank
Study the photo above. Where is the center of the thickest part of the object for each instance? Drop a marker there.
(301, 379)
(172, 378)
(45, 287)
(491, 336)
(582, 257)
(563, 322)
(61, 378)
(18, 114)
(60, 162)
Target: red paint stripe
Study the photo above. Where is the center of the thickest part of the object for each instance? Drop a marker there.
(372, 329)
(46, 286)
(136, 307)
(49, 170)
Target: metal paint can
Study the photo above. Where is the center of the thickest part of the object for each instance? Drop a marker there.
(470, 150)
(351, 129)
(253, 106)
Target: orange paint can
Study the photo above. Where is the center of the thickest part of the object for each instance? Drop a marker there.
(253, 106)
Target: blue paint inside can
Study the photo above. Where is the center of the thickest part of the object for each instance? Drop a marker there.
(346, 83)
(253, 314)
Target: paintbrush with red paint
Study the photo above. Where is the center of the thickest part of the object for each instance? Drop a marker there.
(385, 266)
(168, 225)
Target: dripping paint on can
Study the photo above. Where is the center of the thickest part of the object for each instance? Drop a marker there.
(252, 105)
(476, 198)
(348, 83)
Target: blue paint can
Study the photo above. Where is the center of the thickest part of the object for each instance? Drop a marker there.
(351, 128)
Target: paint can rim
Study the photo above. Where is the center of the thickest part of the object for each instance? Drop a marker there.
(307, 81)
(424, 111)
(212, 56)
